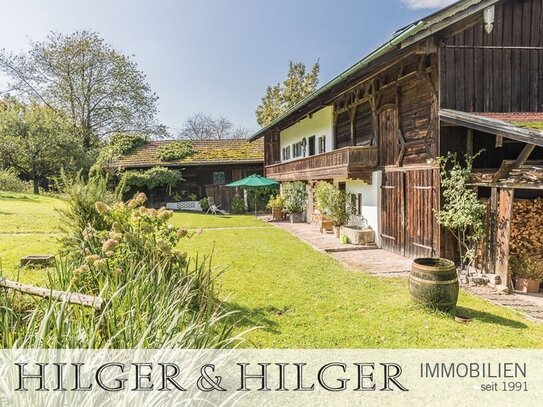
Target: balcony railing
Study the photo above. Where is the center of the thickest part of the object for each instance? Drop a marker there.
(347, 162)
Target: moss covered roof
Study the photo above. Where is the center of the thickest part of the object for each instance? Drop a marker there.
(526, 120)
(206, 152)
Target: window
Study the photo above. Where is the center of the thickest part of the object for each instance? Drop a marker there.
(356, 203)
(297, 149)
(311, 145)
(322, 144)
(286, 153)
(218, 177)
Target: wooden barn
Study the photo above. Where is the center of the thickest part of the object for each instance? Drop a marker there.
(213, 164)
(467, 77)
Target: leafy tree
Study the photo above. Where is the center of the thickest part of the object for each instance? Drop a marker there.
(201, 126)
(461, 212)
(38, 142)
(99, 89)
(281, 97)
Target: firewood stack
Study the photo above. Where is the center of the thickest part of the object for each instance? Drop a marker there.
(524, 176)
(526, 237)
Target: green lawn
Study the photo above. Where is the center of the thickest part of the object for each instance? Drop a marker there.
(197, 220)
(301, 298)
(28, 225)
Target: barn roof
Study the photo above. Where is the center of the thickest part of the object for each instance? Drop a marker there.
(206, 152)
(401, 39)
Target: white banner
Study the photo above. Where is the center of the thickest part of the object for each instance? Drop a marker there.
(271, 377)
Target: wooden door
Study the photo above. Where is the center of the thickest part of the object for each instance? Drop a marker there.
(392, 212)
(408, 203)
(420, 205)
(387, 121)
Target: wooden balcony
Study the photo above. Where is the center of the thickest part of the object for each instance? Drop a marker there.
(347, 162)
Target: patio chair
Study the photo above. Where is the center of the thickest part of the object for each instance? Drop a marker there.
(214, 209)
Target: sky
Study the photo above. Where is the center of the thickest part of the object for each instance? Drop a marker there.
(218, 56)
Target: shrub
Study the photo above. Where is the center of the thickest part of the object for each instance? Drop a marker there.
(527, 267)
(275, 202)
(10, 181)
(237, 205)
(294, 197)
(333, 203)
(154, 296)
(176, 150)
(322, 194)
(260, 196)
(461, 212)
(204, 203)
(79, 211)
(152, 178)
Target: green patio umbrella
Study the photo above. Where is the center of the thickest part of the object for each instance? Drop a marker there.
(253, 181)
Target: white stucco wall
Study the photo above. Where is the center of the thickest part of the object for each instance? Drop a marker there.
(319, 124)
(370, 200)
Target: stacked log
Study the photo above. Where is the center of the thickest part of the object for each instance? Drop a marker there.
(526, 237)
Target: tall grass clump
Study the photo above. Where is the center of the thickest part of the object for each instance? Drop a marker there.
(154, 295)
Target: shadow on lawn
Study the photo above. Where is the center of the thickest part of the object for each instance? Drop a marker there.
(246, 317)
(490, 318)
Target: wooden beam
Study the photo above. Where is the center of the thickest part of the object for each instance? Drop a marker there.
(508, 166)
(503, 230)
(70, 297)
(492, 230)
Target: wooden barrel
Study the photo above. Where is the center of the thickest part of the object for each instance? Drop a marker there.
(434, 283)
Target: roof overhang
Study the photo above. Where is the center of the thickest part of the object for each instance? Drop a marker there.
(486, 124)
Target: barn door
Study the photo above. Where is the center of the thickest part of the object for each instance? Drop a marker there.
(387, 119)
(408, 203)
(392, 212)
(420, 203)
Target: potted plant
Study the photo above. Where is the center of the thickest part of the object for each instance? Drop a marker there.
(294, 200)
(527, 272)
(333, 204)
(321, 195)
(340, 210)
(276, 205)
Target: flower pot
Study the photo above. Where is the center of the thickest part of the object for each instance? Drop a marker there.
(336, 230)
(277, 214)
(296, 217)
(527, 285)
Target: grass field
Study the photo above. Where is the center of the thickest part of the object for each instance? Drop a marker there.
(299, 297)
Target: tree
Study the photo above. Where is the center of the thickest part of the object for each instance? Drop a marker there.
(281, 97)
(461, 212)
(37, 142)
(201, 126)
(99, 89)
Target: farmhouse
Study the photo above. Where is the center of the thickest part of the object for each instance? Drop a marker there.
(211, 165)
(466, 78)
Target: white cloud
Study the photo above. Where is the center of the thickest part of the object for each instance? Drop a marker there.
(426, 4)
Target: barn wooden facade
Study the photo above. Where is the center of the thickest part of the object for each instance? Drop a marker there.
(439, 85)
